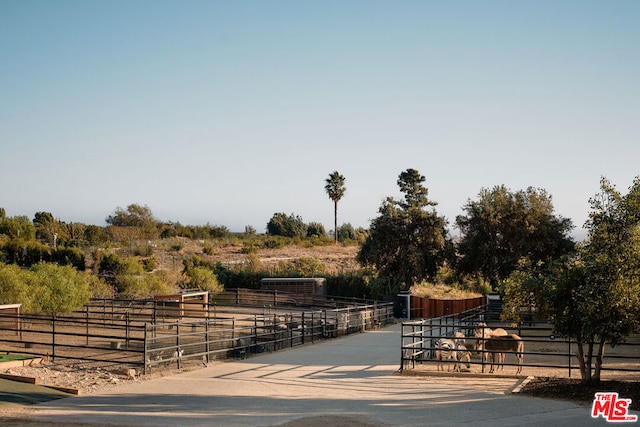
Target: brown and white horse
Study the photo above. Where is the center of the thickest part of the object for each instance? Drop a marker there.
(482, 333)
(507, 343)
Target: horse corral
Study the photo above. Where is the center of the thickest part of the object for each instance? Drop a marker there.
(146, 335)
(530, 351)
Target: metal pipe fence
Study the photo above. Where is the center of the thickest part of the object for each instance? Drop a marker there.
(148, 335)
(556, 356)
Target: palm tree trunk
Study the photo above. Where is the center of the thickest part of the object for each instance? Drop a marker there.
(335, 221)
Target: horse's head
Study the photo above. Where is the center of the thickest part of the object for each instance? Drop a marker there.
(481, 330)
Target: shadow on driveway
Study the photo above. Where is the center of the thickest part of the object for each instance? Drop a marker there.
(14, 393)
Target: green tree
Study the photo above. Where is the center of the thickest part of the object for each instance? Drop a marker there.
(502, 227)
(408, 241)
(316, 229)
(139, 217)
(335, 189)
(60, 289)
(46, 228)
(286, 225)
(18, 227)
(95, 235)
(300, 267)
(99, 288)
(203, 278)
(16, 286)
(69, 256)
(592, 297)
(347, 232)
(137, 286)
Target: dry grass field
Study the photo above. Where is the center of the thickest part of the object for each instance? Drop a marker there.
(335, 258)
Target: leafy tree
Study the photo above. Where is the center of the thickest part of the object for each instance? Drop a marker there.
(203, 278)
(18, 227)
(99, 288)
(70, 256)
(502, 227)
(95, 235)
(74, 234)
(16, 286)
(109, 266)
(24, 253)
(137, 286)
(347, 232)
(129, 278)
(286, 225)
(46, 228)
(301, 267)
(408, 241)
(335, 189)
(60, 289)
(136, 216)
(316, 229)
(592, 297)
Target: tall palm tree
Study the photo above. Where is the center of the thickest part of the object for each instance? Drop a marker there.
(335, 189)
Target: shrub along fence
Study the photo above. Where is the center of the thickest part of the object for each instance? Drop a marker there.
(145, 335)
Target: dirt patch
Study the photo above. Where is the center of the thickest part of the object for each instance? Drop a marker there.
(87, 379)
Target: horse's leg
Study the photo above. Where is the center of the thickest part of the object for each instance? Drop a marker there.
(520, 357)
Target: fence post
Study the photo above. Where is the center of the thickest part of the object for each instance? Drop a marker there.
(569, 353)
(483, 352)
(144, 351)
(422, 347)
(430, 338)
(303, 331)
(127, 324)
(53, 338)
(87, 321)
(255, 333)
(207, 346)
(178, 342)
(291, 329)
(233, 334)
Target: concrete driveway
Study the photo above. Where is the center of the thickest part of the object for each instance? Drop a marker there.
(354, 377)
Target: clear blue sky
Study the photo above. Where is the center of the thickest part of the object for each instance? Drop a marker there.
(226, 112)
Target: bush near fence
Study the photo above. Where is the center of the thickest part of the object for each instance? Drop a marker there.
(143, 334)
